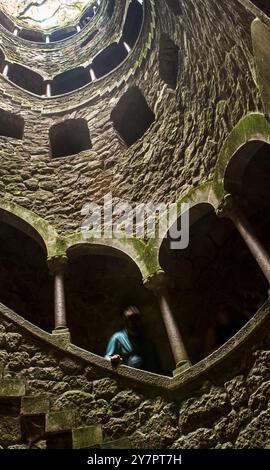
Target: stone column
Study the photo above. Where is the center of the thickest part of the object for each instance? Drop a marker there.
(230, 209)
(48, 89)
(158, 284)
(6, 70)
(57, 268)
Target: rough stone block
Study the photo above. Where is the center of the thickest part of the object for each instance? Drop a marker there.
(86, 437)
(61, 337)
(60, 421)
(10, 431)
(12, 388)
(35, 405)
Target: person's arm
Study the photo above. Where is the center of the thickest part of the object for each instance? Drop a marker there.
(112, 352)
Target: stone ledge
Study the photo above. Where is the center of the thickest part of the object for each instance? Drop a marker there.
(179, 384)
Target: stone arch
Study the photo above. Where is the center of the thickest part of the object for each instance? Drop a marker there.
(70, 80)
(101, 281)
(6, 22)
(30, 224)
(136, 250)
(133, 23)
(108, 59)
(239, 162)
(26, 285)
(26, 79)
(262, 5)
(253, 127)
(200, 196)
(20, 224)
(32, 35)
(215, 271)
(61, 34)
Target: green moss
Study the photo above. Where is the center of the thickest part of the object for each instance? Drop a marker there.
(253, 126)
(45, 230)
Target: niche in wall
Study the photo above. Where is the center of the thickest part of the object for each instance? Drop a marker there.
(168, 61)
(69, 137)
(11, 125)
(132, 116)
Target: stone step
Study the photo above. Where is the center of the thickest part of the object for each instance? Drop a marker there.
(87, 436)
(60, 421)
(35, 405)
(10, 388)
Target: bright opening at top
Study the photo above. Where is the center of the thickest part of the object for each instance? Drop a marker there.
(45, 14)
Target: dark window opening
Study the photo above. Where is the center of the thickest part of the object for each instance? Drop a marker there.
(174, 5)
(247, 177)
(263, 5)
(2, 60)
(88, 14)
(69, 138)
(109, 59)
(26, 79)
(110, 8)
(108, 280)
(31, 35)
(215, 280)
(70, 80)
(132, 116)
(133, 23)
(168, 61)
(25, 283)
(11, 125)
(6, 22)
(62, 34)
(89, 38)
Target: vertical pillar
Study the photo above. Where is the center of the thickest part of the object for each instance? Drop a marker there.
(230, 209)
(48, 89)
(159, 286)
(57, 268)
(92, 75)
(6, 69)
(127, 47)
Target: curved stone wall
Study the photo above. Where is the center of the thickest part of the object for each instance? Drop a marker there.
(221, 403)
(195, 79)
(200, 104)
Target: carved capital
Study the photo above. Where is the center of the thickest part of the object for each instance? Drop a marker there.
(157, 283)
(57, 264)
(227, 208)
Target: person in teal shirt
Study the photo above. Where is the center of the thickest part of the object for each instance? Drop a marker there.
(130, 346)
